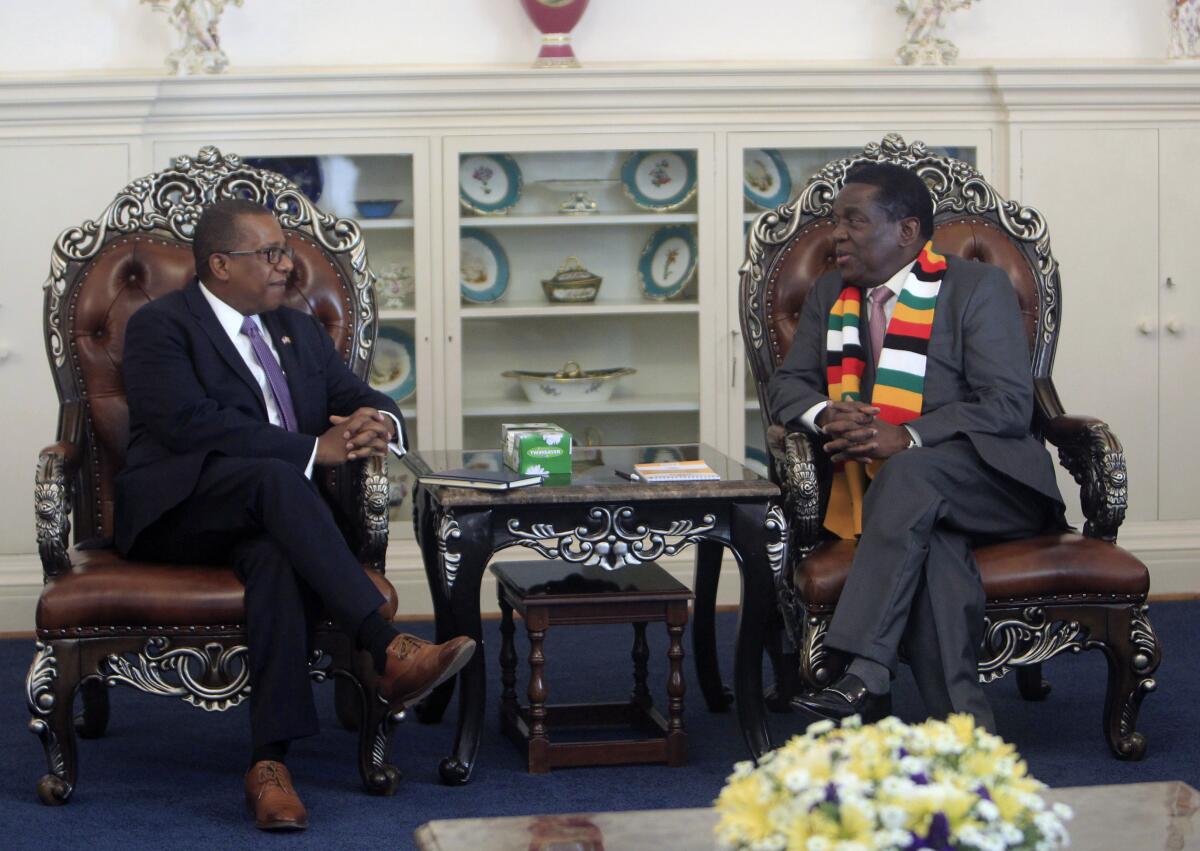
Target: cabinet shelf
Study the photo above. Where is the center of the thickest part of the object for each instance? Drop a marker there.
(620, 405)
(540, 308)
(565, 220)
(385, 224)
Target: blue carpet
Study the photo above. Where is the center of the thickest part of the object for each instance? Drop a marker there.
(168, 775)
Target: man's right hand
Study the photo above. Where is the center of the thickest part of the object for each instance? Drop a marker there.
(850, 427)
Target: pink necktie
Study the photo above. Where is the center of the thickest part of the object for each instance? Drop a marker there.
(275, 378)
(877, 321)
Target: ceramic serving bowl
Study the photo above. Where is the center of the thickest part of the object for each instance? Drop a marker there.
(569, 384)
(380, 209)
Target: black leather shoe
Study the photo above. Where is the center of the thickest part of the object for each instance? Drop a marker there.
(848, 696)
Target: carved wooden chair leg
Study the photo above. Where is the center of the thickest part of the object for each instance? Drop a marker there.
(717, 697)
(819, 666)
(1133, 653)
(92, 720)
(50, 690)
(379, 776)
(1030, 683)
(641, 657)
(509, 708)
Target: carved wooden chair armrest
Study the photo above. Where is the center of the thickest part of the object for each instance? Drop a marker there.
(1094, 457)
(53, 485)
(359, 490)
(796, 464)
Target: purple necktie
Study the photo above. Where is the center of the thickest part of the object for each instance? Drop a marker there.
(877, 321)
(278, 384)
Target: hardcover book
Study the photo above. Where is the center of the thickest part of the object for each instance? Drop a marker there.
(488, 480)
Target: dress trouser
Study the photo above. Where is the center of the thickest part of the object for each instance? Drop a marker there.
(273, 525)
(914, 577)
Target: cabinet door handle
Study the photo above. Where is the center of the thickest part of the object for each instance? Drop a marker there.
(1174, 327)
(1170, 283)
(1145, 327)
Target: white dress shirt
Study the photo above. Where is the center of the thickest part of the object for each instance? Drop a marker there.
(231, 321)
(895, 283)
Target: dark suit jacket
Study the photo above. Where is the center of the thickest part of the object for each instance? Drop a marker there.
(191, 395)
(977, 378)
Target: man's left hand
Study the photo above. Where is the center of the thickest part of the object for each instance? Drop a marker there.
(889, 439)
(367, 432)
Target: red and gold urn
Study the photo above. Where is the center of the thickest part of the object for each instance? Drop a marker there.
(555, 18)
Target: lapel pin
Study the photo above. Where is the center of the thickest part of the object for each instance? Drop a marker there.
(286, 340)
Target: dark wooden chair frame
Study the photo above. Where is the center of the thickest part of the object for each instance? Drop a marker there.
(1020, 633)
(204, 666)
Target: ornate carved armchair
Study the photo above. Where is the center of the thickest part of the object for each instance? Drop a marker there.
(1046, 595)
(166, 629)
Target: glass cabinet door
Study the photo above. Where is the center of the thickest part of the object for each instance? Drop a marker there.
(377, 191)
(765, 171)
(577, 291)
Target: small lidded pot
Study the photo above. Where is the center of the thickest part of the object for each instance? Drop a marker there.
(572, 284)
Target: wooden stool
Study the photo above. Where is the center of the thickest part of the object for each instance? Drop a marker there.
(548, 592)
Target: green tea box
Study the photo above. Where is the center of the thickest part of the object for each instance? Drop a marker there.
(536, 448)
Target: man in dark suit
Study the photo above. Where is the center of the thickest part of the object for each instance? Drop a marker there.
(233, 400)
(941, 422)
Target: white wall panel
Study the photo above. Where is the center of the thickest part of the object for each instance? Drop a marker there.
(63, 35)
(46, 188)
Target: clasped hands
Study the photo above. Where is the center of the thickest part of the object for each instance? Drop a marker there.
(364, 433)
(855, 433)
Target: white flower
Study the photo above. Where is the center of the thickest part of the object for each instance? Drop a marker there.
(774, 842)
(818, 727)
(536, 470)
(796, 780)
(987, 810)
(892, 817)
(1063, 811)
(817, 843)
(912, 765)
(1011, 833)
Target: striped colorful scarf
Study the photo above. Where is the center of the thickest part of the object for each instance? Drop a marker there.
(899, 377)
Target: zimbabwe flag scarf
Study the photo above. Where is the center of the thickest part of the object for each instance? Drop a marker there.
(899, 378)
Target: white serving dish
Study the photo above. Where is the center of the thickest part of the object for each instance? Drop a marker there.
(569, 384)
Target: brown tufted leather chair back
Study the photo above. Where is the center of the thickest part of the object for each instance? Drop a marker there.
(103, 282)
(790, 248)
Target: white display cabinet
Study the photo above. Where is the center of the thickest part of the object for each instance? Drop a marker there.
(648, 249)
(769, 169)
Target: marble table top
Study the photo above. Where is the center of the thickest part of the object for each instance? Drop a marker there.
(1142, 816)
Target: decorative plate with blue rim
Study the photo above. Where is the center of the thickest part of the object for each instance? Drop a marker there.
(394, 368)
(668, 262)
(659, 180)
(488, 183)
(765, 179)
(482, 266)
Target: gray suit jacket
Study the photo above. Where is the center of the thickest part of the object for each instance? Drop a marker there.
(977, 377)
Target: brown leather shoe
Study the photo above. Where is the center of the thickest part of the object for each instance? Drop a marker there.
(415, 667)
(270, 796)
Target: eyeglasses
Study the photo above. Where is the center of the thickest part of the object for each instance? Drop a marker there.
(273, 254)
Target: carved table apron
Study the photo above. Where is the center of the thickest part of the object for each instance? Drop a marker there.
(597, 519)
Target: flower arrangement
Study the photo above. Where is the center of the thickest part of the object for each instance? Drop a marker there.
(939, 785)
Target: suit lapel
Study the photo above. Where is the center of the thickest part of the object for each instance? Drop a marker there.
(216, 334)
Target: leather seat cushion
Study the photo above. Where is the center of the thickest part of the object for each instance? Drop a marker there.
(1058, 565)
(105, 591)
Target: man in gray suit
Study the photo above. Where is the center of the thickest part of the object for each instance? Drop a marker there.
(961, 465)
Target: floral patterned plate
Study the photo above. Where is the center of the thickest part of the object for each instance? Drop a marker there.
(488, 183)
(765, 179)
(660, 180)
(394, 368)
(668, 262)
(482, 266)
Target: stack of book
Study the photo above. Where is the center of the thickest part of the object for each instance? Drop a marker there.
(674, 471)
